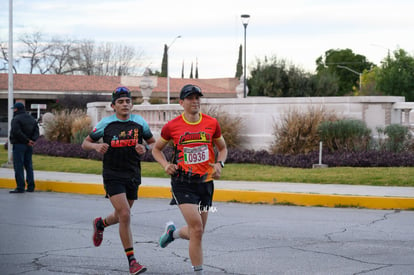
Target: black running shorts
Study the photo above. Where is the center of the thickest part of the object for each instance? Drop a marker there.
(200, 193)
(119, 186)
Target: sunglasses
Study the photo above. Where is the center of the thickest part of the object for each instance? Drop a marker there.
(121, 90)
(192, 88)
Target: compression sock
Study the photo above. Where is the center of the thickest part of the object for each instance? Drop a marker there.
(130, 254)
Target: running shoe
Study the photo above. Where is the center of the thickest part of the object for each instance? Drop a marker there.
(136, 268)
(167, 237)
(97, 233)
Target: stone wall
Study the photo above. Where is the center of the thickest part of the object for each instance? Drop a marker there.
(259, 114)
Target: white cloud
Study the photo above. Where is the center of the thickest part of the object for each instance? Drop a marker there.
(296, 30)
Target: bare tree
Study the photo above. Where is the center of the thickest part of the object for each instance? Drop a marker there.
(68, 56)
(104, 59)
(124, 55)
(4, 58)
(63, 56)
(36, 52)
(86, 57)
(107, 58)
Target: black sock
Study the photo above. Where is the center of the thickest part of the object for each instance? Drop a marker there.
(100, 225)
(130, 254)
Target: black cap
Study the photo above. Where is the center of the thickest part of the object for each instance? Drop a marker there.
(18, 106)
(190, 89)
(120, 92)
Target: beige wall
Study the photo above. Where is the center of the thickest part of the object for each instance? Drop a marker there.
(259, 114)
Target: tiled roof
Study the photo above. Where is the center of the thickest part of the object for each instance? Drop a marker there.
(42, 82)
(39, 82)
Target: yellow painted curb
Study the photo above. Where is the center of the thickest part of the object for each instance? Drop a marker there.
(307, 199)
(303, 199)
(60, 186)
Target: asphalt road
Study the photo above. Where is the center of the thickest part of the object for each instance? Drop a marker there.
(50, 233)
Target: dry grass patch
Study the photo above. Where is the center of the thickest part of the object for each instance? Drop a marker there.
(298, 131)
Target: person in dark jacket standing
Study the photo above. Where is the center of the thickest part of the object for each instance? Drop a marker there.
(23, 134)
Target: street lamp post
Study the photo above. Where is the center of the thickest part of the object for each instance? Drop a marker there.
(10, 84)
(168, 69)
(245, 20)
(355, 72)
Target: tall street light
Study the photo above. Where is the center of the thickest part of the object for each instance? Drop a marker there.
(245, 20)
(168, 69)
(355, 72)
(10, 86)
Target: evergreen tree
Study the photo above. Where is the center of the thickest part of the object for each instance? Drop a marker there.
(239, 66)
(164, 64)
(191, 72)
(182, 70)
(196, 72)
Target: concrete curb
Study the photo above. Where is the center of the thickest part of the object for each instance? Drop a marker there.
(242, 196)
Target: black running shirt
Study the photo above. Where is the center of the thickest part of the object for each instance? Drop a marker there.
(121, 160)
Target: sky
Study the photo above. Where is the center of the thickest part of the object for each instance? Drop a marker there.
(297, 31)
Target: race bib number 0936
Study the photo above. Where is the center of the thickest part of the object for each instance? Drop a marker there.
(196, 154)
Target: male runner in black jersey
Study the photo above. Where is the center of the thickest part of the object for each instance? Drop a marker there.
(123, 134)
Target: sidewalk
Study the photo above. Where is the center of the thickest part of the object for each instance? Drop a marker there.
(328, 195)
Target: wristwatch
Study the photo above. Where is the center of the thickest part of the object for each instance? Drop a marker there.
(221, 163)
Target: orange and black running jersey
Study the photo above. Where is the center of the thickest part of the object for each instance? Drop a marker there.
(193, 146)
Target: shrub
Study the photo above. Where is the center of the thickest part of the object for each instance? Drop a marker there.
(81, 127)
(410, 144)
(298, 131)
(397, 138)
(62, 149)
(372, 158)
(231, 126)
(67, 126)
(347, 135)
(44, 146)
(332, 159)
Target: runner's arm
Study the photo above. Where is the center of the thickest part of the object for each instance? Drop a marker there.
(89, 144)
(159, 156)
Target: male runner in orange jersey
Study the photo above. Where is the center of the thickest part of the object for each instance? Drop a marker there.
(192, 170)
